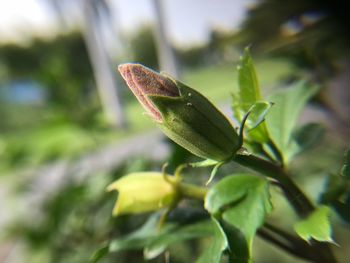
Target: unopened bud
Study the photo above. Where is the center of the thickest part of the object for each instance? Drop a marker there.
(183, 114)
(143, 192)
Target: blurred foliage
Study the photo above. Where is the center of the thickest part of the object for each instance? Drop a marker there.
(220, 49)
(192, 57)
(72, 222)
(61, 67)
(313, 34)
(143, 47)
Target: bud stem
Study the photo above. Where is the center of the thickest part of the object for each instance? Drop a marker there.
(192, 191)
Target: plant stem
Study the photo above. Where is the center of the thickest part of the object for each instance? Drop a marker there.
(266, 235)
(318, 251)
(285, 235)
(276, 151)
(192, 191)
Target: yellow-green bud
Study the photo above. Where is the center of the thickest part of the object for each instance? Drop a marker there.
(183, 114)
(143, 192)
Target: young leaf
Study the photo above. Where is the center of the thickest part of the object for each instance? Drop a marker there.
(178, 234)
(283, 116)
(242, 201)
(249, 90)
(257, 114)
(248, 94)
(214, 251)
(315, 226)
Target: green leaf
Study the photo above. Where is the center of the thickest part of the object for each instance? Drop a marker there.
(257, 114)
(137, 239)
(247, 96)
(336, 192)
(99, 254)
(239, 248)
(335, 188)
(345, 171)
(249, 90)
(213, 252)
(241, 200)
(308, 135)
(178, 234)
(315, 226)
(343, 208)
(283, 116)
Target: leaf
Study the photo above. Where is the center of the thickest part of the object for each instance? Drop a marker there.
(315, 226)
(177, 234)
(343, 208)
(335, 188)
(239, 250)
(213, 252)
(241, 200)
(345, 171)
(308, 135)
(155, 241)
(282, 118)
(249, 90)
(257, 114)
(137, 239)
(336, 192)
(99, 254)
(248, 95)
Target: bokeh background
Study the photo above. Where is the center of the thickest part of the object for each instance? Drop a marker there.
(69, 126)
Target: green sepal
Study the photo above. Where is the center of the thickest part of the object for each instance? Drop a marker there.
(194, 123)
(204, 163)
(213, 172)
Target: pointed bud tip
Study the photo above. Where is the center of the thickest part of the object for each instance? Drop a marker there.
(126, 68)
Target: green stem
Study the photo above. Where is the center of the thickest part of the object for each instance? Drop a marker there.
(285, 235)
(290, 248)
(276, 151)
(192, 191)
(301, 204)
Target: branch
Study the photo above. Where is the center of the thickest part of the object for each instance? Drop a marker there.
(301, 204)
(264, 234)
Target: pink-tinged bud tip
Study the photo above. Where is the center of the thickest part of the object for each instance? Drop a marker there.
(143, 81)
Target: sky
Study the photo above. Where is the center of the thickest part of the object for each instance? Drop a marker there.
(187, 21)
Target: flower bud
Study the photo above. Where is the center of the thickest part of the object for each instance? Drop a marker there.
(183, 114)
(143, 192)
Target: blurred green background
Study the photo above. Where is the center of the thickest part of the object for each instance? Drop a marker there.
(69, 125)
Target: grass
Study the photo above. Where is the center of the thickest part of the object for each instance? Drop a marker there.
(32, 147)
